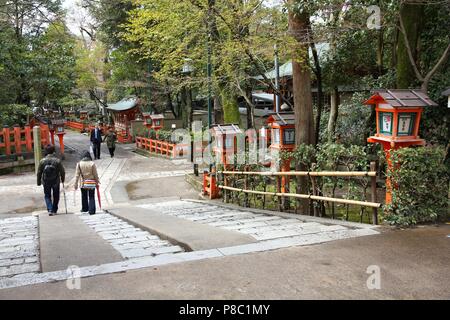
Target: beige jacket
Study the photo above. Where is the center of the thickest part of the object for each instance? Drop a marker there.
(88, 172)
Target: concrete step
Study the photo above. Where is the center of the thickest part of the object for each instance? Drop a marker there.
(187, 234)
(129, 241)
(65, 240)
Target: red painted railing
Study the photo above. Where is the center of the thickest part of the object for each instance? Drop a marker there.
(161, 147)
(13, 140)
(79, 126)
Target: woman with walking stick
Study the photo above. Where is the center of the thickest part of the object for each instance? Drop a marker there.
(86, 174)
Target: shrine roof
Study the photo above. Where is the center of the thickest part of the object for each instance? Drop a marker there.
(226, 128)
(123, 105)
(282, 118)
(401, 98)
(153, 116)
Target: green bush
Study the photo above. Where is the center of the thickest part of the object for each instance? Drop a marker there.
(12, 114)
(420, 186)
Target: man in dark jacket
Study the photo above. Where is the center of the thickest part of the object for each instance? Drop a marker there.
(50, 174)
(96, 139)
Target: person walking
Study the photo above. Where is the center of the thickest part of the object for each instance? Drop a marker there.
(96, 140)
(50, 174)
(111, 139)
(86, 177)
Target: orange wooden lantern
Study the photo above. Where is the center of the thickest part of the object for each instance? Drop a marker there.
(282, 127)
(153, 121)
(58, 127)
(398, 114)
(83, 115)
(225, 137)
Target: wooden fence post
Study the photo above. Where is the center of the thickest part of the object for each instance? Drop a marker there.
(225, 191)
(6, 136)
(373, 167)
(280, 202)
(17, 144)
(246, 204)
(29, 142)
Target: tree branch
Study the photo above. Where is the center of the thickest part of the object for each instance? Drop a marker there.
(408, 50)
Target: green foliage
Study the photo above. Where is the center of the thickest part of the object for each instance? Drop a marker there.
(36, 53)
(304, 154)
(420, 183)
(162, 135)
(54, 71)
(12, 114)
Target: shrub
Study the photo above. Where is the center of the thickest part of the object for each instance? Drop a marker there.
(420, 185)
(11, 114)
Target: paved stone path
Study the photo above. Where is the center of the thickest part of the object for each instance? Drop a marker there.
(153, 175)
(130, 241)
(262, 227)
(19, 246)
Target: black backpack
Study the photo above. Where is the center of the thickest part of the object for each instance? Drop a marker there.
(50, 173)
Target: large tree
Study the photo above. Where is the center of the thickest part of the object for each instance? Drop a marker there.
(301, 73)
(22, 23)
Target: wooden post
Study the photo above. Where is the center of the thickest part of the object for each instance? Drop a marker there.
(373, 167)
(61, 144)
(17, 142)
(246, 188)
(225, 192)
(280, 203)
(6, 135)
(37, 147)
(29, 143)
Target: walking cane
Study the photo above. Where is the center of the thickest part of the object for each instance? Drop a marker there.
(65, 199)
(98, 196)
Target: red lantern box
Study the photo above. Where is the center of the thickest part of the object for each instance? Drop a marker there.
(225, 141)
(398, 114)
(153, 121)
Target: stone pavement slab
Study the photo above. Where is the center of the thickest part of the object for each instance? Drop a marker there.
(129, 241)
(188, 234)
(66, 240)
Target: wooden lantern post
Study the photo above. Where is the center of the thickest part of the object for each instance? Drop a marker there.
(153, 121)
(59, 128)
(282, 125)
(225, 138)
(398, 114)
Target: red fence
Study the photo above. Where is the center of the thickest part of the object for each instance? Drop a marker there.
(79, 126)
(13, 140)
(161, 147)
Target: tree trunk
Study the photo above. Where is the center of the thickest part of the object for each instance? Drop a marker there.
(411, 15)
(318, 73)
(230, 108)
(380, 49)
(218, 113)
(334, 111)
(250, 109)
(304, 120)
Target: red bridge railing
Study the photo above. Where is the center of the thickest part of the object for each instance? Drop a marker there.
(16, 140)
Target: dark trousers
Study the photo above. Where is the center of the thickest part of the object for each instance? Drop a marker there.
(111, 151)
(88, 200)
(52, 205)
(96, 147)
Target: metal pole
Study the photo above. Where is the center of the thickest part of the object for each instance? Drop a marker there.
(149, 86)
(277, 84)
(209, 71)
